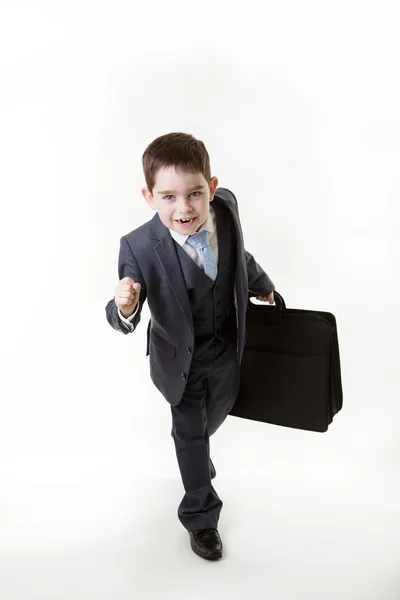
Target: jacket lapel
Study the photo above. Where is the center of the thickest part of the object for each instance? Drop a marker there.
(166, 254)
(241, 269)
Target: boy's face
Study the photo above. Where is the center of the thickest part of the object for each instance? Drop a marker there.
(181, 195)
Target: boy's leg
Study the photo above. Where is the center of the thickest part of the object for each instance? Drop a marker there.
(201, 505)
(222, 385)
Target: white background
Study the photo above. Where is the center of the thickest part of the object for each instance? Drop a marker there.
(298, 105)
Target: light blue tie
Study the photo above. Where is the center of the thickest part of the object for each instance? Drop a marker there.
(200, 242)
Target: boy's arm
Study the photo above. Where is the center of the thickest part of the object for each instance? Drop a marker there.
(259, 282)
(127, 267)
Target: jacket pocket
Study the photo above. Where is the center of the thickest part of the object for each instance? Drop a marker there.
(162, 344)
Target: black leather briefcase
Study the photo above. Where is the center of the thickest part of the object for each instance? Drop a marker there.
(290, 372)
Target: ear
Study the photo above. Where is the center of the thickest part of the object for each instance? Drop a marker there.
(213, 186)
(149, 198)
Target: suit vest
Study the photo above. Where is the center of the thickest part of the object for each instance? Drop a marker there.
(211, 302)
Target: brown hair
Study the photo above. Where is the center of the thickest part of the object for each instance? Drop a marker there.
(181, 150)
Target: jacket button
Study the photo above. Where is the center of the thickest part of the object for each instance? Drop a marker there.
(216, 288)
(218, 318)
(189, 350)
(184, 376)
(218, 303)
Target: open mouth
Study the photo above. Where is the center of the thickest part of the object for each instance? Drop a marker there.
(186, 221)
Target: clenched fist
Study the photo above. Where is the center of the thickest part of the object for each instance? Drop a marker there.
(127, 296)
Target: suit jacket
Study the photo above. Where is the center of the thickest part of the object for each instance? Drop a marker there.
(147, 255)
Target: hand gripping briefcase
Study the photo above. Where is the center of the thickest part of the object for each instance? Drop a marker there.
(290, 372)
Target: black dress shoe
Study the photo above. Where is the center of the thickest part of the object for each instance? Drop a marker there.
(212, 470)
(206, 543)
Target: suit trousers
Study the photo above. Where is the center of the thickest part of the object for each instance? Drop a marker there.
(210, 393)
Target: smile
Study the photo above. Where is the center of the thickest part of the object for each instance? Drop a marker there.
(186, 221)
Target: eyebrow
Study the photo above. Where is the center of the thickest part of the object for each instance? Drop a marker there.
(196, 187)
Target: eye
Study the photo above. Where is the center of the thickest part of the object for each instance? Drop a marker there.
(170, 196)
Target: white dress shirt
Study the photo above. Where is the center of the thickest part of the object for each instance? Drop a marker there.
(211, 226)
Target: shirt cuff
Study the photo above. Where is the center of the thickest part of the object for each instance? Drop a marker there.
(128, 320)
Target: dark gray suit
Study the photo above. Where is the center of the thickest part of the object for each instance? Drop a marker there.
(195, 338)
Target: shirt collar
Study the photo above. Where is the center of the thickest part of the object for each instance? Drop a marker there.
(208, 225)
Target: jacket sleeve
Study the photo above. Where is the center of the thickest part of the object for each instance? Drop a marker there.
(259, 282)
(127, 267)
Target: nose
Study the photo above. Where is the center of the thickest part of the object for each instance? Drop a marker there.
(184, 206)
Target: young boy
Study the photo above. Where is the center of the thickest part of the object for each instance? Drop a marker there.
(190, 263)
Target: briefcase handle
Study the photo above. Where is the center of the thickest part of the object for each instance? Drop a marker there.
(272, 313)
